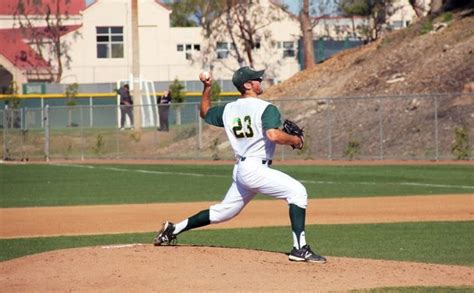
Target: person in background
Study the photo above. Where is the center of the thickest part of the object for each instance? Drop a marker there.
(126, 106)
(164, 103)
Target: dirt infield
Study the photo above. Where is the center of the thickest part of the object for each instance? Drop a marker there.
(110, 219)
(144, 268)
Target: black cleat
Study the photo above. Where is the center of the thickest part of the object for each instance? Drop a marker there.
(306, 254)
(165, 236)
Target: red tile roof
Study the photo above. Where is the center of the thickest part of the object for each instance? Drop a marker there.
(19, 53)
(165, 6)
(71, 7)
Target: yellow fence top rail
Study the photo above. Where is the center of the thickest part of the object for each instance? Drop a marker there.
(99, 95)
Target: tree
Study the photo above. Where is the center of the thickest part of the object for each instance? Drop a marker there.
(244, 23)
(376, 10)
(180, 17)
(215, 92)
(307, 32)
(178, 95)
(438, 6)
(202, 13)
(309, 15)
(47, 41)
(418, 7)
(435, 7)
(12, 103)
(199, 13)
(70, 95)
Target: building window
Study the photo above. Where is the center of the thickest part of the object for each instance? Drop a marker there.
(109, 42)
(222, 50)
(288, 49)
(188, 49)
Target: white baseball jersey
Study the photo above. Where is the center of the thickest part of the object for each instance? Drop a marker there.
(245, 121)
(243, 125)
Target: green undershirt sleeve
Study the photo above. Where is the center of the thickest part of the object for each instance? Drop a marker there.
(271, 117)
(214, 116)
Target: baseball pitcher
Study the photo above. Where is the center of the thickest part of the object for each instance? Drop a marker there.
(252, 126)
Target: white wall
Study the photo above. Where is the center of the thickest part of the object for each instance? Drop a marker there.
(159, 58)
(153, 30)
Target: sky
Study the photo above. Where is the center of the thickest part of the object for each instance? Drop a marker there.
(292, 5)
(329, 6)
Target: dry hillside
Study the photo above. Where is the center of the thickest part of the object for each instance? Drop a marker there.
(435, 62)
(403, 63)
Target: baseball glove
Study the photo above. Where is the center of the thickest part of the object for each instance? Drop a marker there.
(292, 128)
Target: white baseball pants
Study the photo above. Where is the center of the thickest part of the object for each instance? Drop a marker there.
(251, 177)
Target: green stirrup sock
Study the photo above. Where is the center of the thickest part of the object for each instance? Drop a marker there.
(297, 217)
(198, 220)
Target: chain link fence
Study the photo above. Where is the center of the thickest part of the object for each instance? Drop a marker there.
(412, 127)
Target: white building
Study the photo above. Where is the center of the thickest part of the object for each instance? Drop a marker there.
(103, 53)
(100, 44)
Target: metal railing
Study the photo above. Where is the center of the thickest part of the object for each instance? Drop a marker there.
(411, 127)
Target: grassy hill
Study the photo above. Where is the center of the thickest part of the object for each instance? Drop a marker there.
(435, 55)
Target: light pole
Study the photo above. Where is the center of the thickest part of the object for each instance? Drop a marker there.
(137, 101)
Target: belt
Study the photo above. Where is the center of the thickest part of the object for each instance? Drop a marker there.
(264, 162)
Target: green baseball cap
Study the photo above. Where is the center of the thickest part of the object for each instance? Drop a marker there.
(244, 74)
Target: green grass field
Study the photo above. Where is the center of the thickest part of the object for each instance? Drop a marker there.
(433, 242)
(59, 185)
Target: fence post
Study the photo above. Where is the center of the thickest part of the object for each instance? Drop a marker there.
(199, 120)
(46, 133)
(117, 139)
(329, 125)
(91, 112)
(436, 128)
(42, 112)
(22, 117)
(81, 120)
(381, 127)
(5, 147)
(23, 133)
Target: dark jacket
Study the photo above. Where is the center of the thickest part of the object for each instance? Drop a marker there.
(125, 97)
(164, 100)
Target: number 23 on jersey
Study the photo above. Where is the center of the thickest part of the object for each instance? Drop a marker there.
(243, 128)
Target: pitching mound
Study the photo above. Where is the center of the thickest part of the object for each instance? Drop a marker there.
(139, 268)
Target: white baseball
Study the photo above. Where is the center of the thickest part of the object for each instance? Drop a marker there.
(205, 75)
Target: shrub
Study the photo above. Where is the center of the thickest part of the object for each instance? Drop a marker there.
(352, 149)
(447, 17)
(215, 149)
(426, 26)
(215, 92)
(177, 93)
(71, 94)
(460, 147)
(99, 144)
